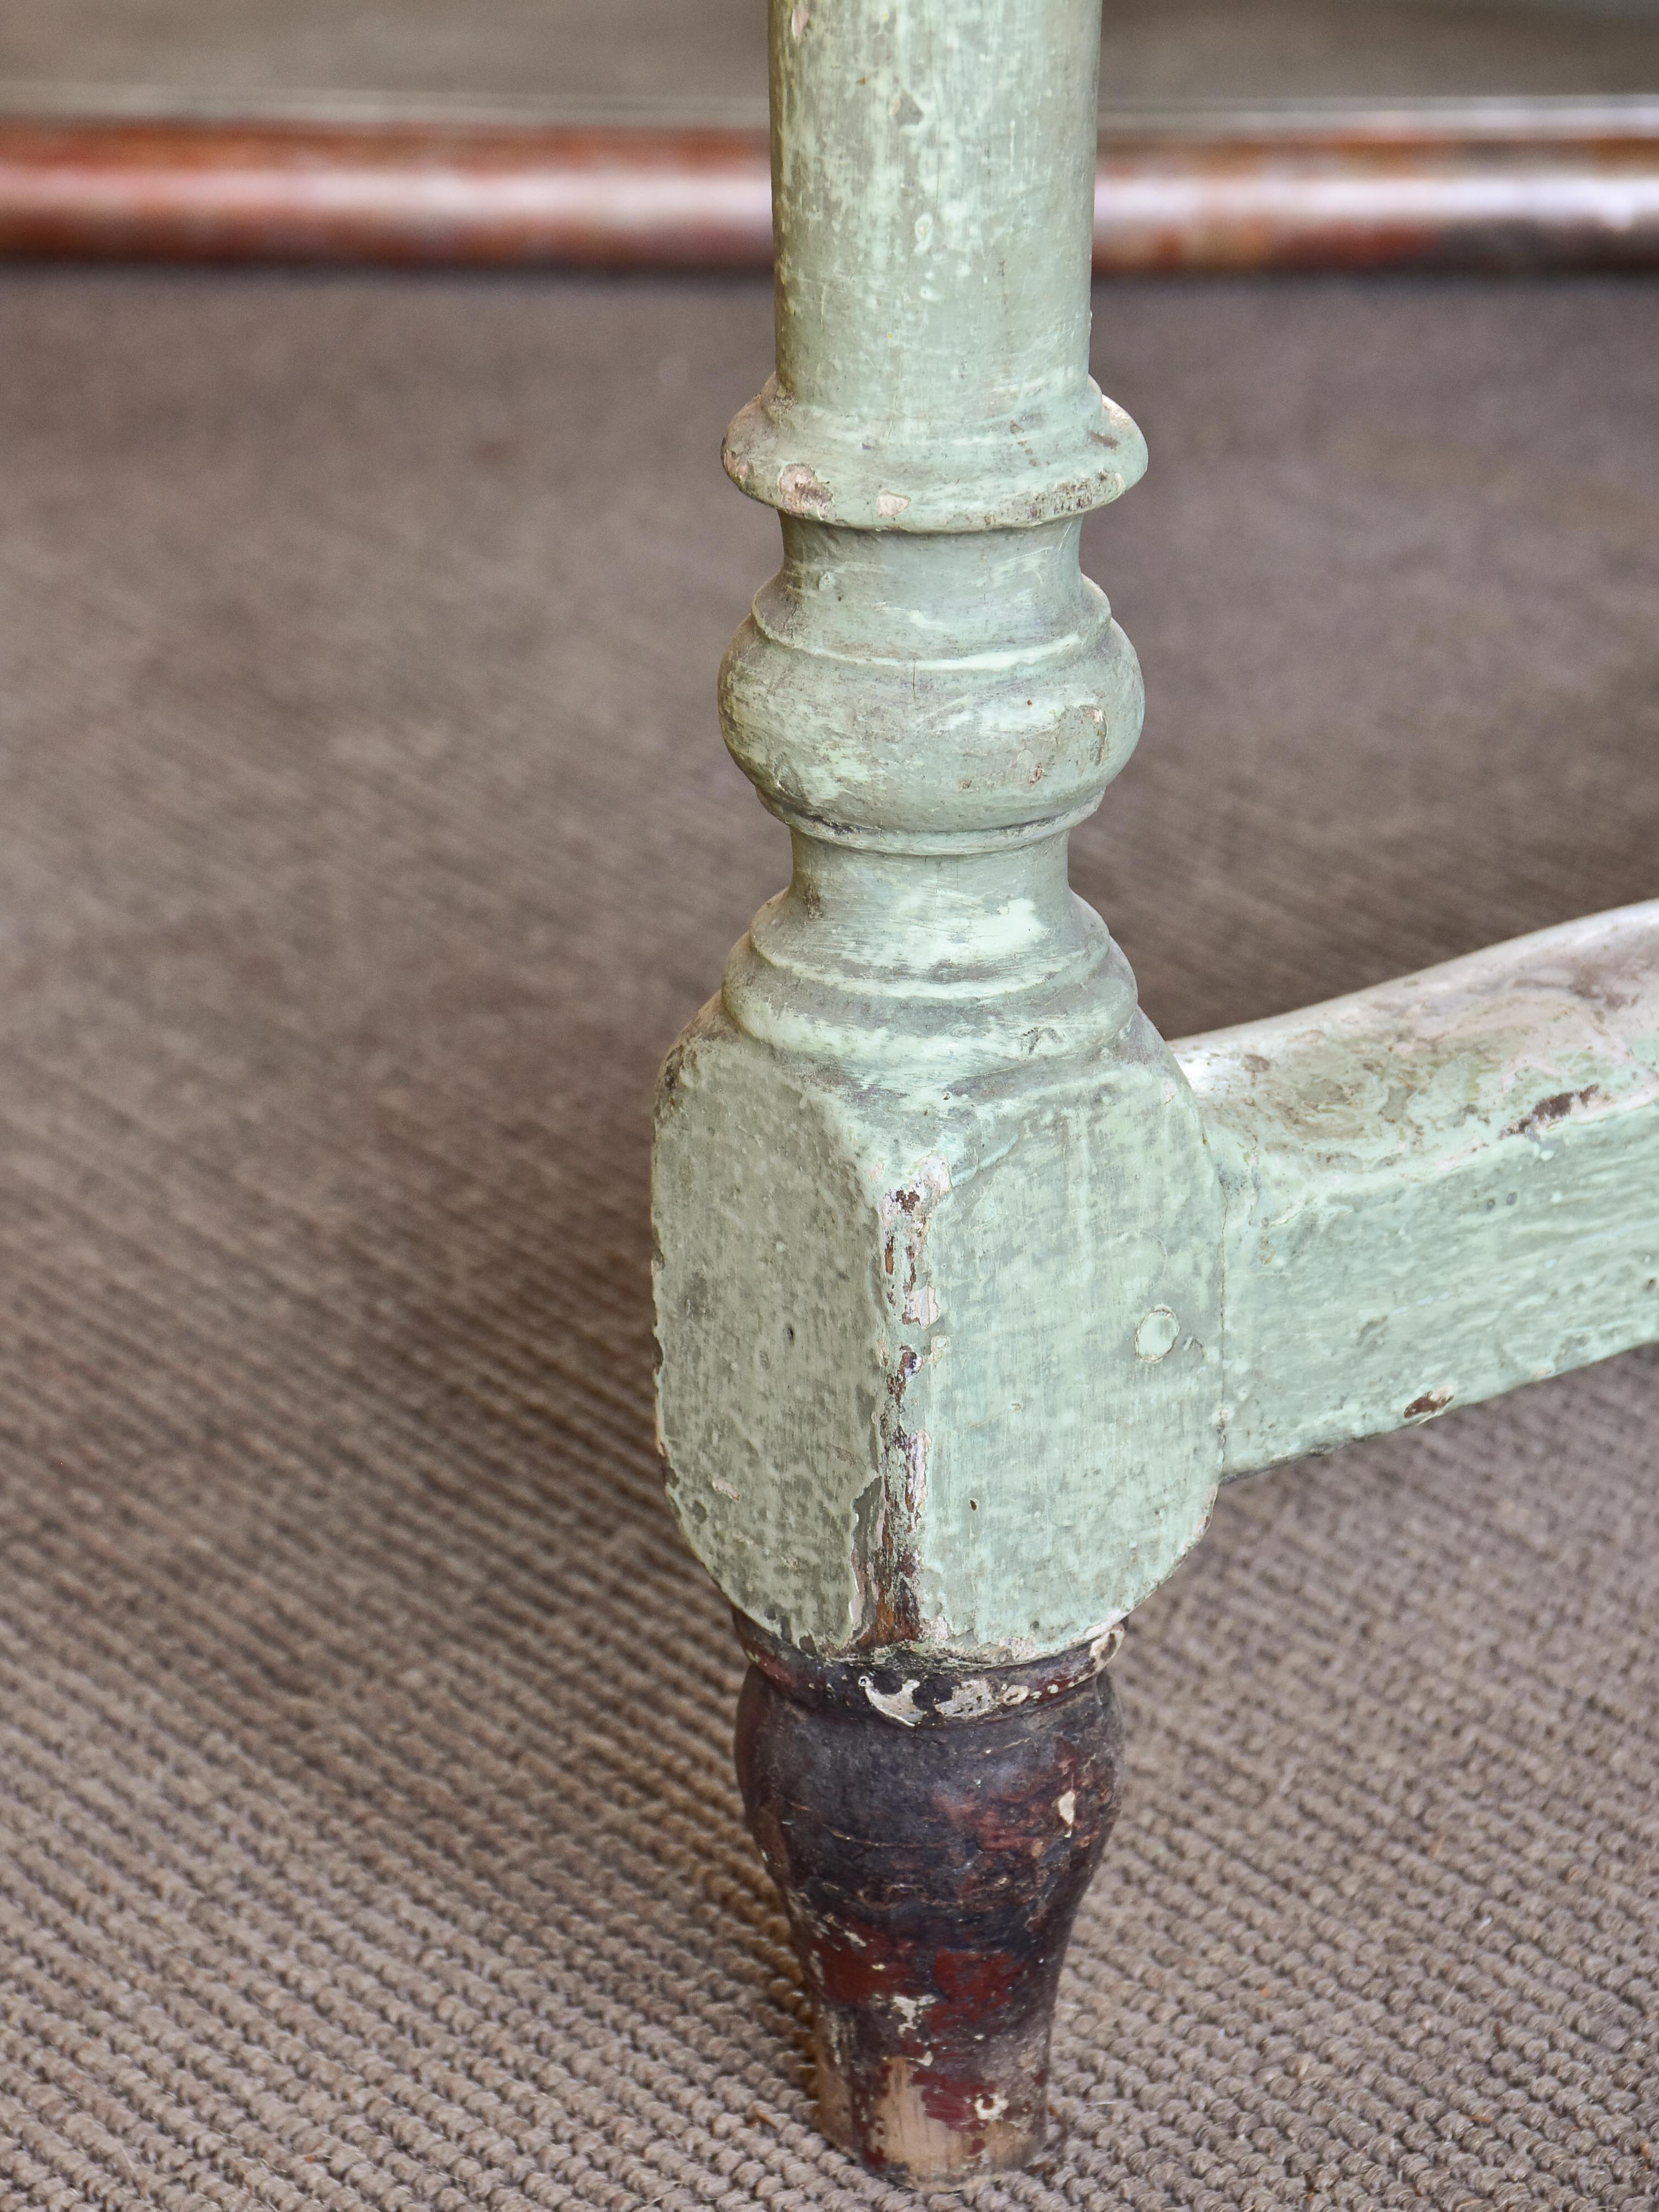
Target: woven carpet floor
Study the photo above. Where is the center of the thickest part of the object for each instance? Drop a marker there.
(366, 1835)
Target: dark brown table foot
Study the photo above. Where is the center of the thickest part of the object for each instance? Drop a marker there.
(932, 1832)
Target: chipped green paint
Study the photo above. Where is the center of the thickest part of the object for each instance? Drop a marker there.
(932, 195)
(1439, 1188)
(968, 1296)
(923, 1171)
(902, 1388)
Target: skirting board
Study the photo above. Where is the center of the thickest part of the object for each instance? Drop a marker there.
(1497, 184)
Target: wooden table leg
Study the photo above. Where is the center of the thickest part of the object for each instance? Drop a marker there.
(882, 1149)
(932, 1841)
(970, 1290)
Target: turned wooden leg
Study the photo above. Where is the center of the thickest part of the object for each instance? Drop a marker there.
(970, 1290)
(931, 1831)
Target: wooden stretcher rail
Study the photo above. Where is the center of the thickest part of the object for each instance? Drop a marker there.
(1508, 187)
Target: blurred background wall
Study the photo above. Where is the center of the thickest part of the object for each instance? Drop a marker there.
(707, 58)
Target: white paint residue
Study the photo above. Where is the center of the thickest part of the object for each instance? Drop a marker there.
(968, 1700)
(1157, 1335)
(917, 1447)
(990, 2108)
(897, 1704)
(933, 1177)
(909, 2009)
(1105, 1642)
(906, 1213)
(928, 1183)
(802, 490)
(1065, 1805)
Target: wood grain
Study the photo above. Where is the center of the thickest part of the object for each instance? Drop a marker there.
(595, 196)
(931, 1832)
(1512, 184)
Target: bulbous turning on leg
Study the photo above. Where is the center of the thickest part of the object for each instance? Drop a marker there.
(932, 1832)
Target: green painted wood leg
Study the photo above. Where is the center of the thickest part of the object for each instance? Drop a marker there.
(925, 1096)
(970, 1289)
(941, 1238)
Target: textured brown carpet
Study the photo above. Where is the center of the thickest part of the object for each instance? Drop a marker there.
(368, 1838)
